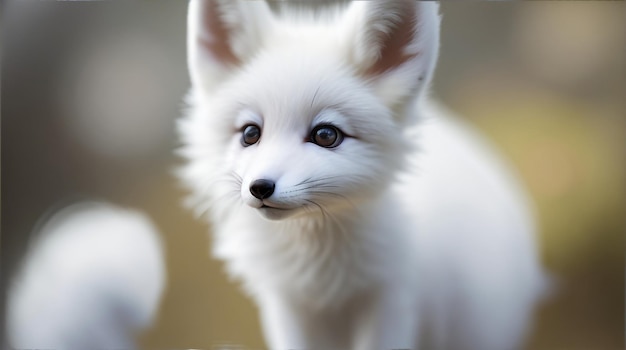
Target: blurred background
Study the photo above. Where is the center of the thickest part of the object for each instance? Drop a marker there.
(91, 92)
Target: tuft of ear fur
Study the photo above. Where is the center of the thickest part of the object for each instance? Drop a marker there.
(220, 35)
(394, 43)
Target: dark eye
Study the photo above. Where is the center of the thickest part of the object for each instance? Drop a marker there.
(250, 135)
(326, 136)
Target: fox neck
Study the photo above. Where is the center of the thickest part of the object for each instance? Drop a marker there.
(337, 221)
(339, 251)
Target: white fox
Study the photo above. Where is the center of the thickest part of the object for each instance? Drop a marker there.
(356, 213)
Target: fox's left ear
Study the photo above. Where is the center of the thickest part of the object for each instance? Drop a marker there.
(395, 44)
(221, 36)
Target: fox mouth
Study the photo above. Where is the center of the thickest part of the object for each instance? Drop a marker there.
(275, 213)
(274, 210)
(269, 207)
(265, 206)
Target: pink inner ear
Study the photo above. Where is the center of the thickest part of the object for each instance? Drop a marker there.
(215, 37)
(392, 52)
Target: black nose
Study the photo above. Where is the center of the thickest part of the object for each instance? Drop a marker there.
(262, 189)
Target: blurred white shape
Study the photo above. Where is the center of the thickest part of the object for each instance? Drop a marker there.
(117, 95)
(93, 278)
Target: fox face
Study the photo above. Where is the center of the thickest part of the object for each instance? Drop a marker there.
(301, 117)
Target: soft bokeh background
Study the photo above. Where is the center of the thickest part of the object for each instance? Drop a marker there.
(90, 93)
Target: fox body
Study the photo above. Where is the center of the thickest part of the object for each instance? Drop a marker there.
(356, 213)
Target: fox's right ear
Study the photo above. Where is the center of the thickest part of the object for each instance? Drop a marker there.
(221, 35)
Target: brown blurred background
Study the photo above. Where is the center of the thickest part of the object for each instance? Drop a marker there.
(90, 93)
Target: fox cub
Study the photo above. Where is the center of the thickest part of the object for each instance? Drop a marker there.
(357, 214)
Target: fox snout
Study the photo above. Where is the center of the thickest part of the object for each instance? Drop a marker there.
(262, 188)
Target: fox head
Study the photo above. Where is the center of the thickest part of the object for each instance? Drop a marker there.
(295, 114)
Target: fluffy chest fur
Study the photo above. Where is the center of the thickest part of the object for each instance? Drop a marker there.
(321, 262)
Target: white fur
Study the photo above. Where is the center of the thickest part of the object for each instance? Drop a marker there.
(92, 279)
(409, 233)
